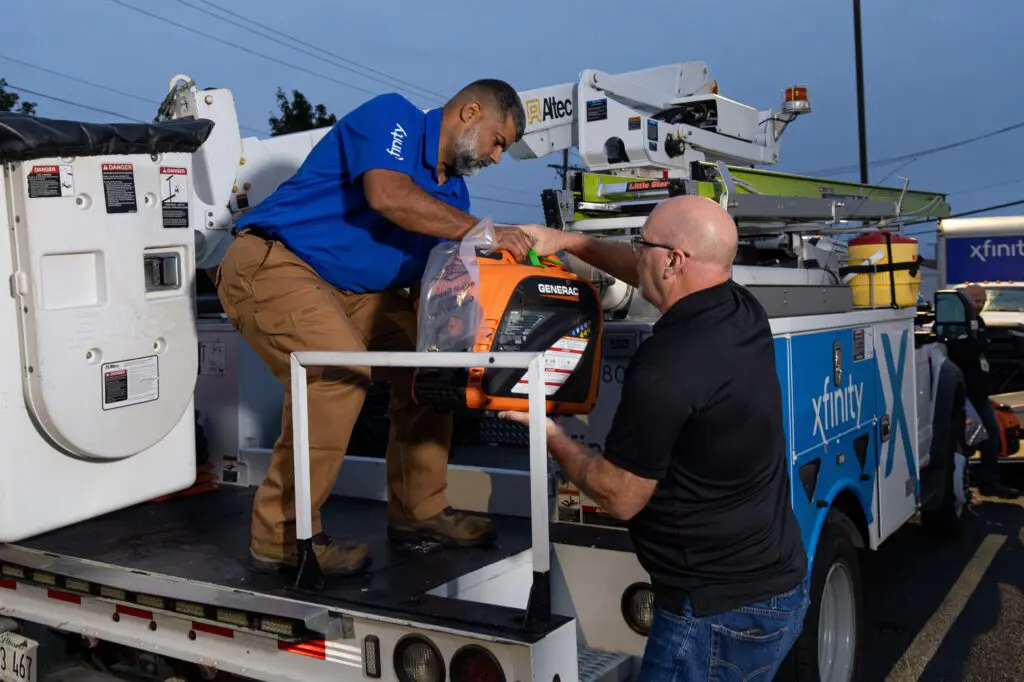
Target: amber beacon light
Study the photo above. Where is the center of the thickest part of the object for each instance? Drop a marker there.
(796, 100)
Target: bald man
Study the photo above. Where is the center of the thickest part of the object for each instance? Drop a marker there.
(695, 459)
(969, 355)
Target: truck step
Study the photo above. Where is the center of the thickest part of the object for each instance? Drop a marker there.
(596, 665)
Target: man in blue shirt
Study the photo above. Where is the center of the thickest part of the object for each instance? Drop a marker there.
(322, 264)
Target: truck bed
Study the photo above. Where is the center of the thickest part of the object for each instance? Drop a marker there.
(205, 539)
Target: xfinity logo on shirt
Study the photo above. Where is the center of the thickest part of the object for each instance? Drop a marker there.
(987, 250)
(397, 136)
(559, 289)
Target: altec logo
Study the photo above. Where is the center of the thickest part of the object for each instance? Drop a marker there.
(987, 250)
(540, 110)
(837, 407)
(558, 289)
(397, 137)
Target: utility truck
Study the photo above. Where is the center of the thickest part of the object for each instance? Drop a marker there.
(990, 251)
(138, 423)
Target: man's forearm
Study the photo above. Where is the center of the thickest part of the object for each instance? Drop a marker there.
(614, 257)
(592, 474)
(407, 205)
(419, 212)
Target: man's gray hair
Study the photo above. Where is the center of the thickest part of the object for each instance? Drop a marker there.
(502, 96)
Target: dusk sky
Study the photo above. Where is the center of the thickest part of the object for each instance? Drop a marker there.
(936, 71)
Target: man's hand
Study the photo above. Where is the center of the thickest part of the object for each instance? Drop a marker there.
(617, 491)
(547, 241)
(513, 239)
(524, 419)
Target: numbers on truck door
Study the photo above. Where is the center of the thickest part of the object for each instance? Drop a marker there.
(613, 373)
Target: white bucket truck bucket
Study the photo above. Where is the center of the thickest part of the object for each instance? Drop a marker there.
(98, 345)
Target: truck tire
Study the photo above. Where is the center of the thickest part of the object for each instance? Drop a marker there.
(829, 647)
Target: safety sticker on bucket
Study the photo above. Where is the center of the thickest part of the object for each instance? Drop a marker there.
(560, 361)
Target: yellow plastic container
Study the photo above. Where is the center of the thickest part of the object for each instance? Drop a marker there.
(876, 289)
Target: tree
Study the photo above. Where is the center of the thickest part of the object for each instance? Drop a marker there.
(9, 100)
(299, 115)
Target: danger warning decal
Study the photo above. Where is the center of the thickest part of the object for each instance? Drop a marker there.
(560, 361)
(174, 196)
(45, 182)
(119, 188)
(131, 382)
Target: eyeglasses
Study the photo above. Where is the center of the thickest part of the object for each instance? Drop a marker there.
(638, 242)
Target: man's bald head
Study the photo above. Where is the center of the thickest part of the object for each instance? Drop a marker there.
(697, 226)
(689, 243)
(975, 293)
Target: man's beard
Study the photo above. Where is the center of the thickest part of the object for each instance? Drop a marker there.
(466, 162)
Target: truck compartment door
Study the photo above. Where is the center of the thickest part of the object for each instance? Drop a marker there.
(104, 277)
(834, 438)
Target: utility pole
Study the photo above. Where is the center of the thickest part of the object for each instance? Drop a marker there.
(563, 168)
(861, 125)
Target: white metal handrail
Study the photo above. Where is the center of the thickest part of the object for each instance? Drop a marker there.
(531, 362)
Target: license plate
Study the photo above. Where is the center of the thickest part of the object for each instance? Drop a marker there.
(17, 658)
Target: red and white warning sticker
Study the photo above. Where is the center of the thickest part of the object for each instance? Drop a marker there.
(560, 361)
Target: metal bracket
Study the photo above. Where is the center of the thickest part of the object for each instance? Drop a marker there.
(310, 574)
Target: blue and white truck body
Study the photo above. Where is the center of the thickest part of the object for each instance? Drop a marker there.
(868, 403)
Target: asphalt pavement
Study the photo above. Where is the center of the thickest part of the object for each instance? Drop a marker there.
(943, 610)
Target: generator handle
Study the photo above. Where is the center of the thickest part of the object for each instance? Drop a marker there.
(532, 258)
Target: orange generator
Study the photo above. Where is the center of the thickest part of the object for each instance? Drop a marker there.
(523, 307)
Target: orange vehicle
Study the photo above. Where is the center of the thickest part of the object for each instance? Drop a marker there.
(528, 307)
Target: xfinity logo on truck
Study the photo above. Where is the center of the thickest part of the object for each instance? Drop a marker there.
(540, 110)
(558, 289)
(838, 407)
(987, 250)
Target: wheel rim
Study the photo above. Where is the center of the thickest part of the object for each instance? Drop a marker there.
(837, 627)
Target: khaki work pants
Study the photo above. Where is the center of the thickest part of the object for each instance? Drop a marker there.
(279, 305)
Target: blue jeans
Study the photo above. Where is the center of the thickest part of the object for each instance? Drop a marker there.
(748, 643)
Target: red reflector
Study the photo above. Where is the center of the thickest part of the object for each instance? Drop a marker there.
(475, 664)
(134, 612)
(213, 629)
(64, 596)
(9, 584)
(315, 648)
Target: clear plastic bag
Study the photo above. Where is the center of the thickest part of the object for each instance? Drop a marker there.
(449, 307)
(975, 431)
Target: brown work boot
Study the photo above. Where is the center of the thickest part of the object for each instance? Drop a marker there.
(450, 528)
(337, 558)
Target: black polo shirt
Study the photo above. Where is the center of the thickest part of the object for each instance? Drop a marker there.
(701, 412)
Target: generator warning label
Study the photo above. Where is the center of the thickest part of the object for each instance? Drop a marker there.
(130, 382)
(560, 361)
(119, 188)
(46, 182)
(174, 196)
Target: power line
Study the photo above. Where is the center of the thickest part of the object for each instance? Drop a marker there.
(242, 48)
(319, 51)
(73, 103)
(961, 215)
(980, 188)
(101, 87)
(506, 201)
(838, 170)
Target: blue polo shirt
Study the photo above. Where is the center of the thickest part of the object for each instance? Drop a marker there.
(321, 213)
